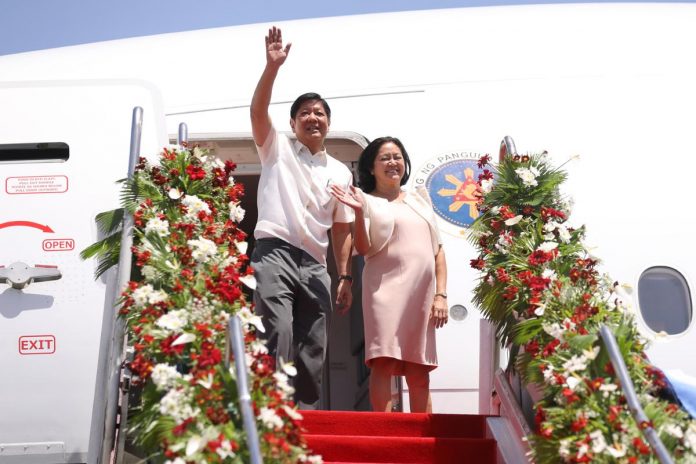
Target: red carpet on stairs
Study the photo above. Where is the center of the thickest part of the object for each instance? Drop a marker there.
(374, 437)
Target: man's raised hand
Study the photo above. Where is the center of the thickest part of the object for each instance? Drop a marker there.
(275, 53)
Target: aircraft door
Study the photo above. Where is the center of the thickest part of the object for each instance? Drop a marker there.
(63, 146)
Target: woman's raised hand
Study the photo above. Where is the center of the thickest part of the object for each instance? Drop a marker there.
(349, 197)
(275, 53)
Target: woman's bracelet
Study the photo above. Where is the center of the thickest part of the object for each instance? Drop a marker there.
(347, 277)
(442, 294)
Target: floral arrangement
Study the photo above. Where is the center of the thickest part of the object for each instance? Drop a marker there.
(189, 278)
(541, 287)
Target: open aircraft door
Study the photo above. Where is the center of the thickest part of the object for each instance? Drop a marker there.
(62, 147)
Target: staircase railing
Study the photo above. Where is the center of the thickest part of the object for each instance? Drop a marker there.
(116, 366)
(507, 147)
(235, 340)
(631, 398)
(508, 404)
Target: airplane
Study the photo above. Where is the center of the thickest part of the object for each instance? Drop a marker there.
(611, 83)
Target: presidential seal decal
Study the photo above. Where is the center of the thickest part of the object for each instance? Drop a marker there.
(451, 180)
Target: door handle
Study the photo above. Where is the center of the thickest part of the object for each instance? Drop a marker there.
(19, 275)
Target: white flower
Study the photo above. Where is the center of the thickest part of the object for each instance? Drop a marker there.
(591, 353)
(564, 448)
(616, 450)
(312, 459)
(202, 249)
(228, 261)
(247, 317)
(236, 212)
(257, 347)
(550, 226)
(582, 450)
(157, 226)
(528, 176)
(270, 419)
(140, 295)
(242, 247)
(547, 246)
(194, 205)
(572, 382)
(590, 250)
(486, 185)
(563, 234)
(292, 413)
(174, 193)
(539, 311)
(225, 450)
(148, 295)
(599, 443)
(157, 296)
(282, 383)
(555, 330)
(173, 320)
(194, 445)
(149, 272)
(548, 375)
(207, 383)
(177, 404)
(576, 363)
(549, 274)
(249, 281)
(164, 376)
(184, 338)
(607, 389)
(514, 220)
(674, 430)
(175, 461)
(289, 369)
(690, 436)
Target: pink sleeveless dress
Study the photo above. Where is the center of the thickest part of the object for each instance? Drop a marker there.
(397, 295)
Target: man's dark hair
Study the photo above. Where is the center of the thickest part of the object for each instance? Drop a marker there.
(305, 97)
(366, 162)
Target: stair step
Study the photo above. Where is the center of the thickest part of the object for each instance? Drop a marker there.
(405, 450)
(394, 424)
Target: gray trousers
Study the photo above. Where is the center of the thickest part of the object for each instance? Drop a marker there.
(293, 298)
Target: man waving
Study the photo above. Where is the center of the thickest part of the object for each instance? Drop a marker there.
(296, 211)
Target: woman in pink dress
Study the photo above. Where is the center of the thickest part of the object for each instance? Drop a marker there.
(405, 276)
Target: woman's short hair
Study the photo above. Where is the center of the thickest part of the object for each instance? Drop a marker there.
(366, 162)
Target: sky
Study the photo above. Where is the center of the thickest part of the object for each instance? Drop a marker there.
(27, 25)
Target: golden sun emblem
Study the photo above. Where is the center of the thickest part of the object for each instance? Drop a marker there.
(462, 193)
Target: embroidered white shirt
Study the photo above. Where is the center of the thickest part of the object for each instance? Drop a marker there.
(294, 201)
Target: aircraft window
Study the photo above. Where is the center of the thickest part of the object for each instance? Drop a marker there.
(665, 300)
(46, 152)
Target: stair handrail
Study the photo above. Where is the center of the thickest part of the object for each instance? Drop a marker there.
(634, 406)
(507, 147)
(116, 366)
(182, 137)
(235, 340)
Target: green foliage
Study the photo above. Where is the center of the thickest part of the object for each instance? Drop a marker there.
(541, 289)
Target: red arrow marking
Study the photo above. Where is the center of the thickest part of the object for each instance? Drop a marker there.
(42, 228)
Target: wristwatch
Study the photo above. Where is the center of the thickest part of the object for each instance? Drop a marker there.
(347, 277)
